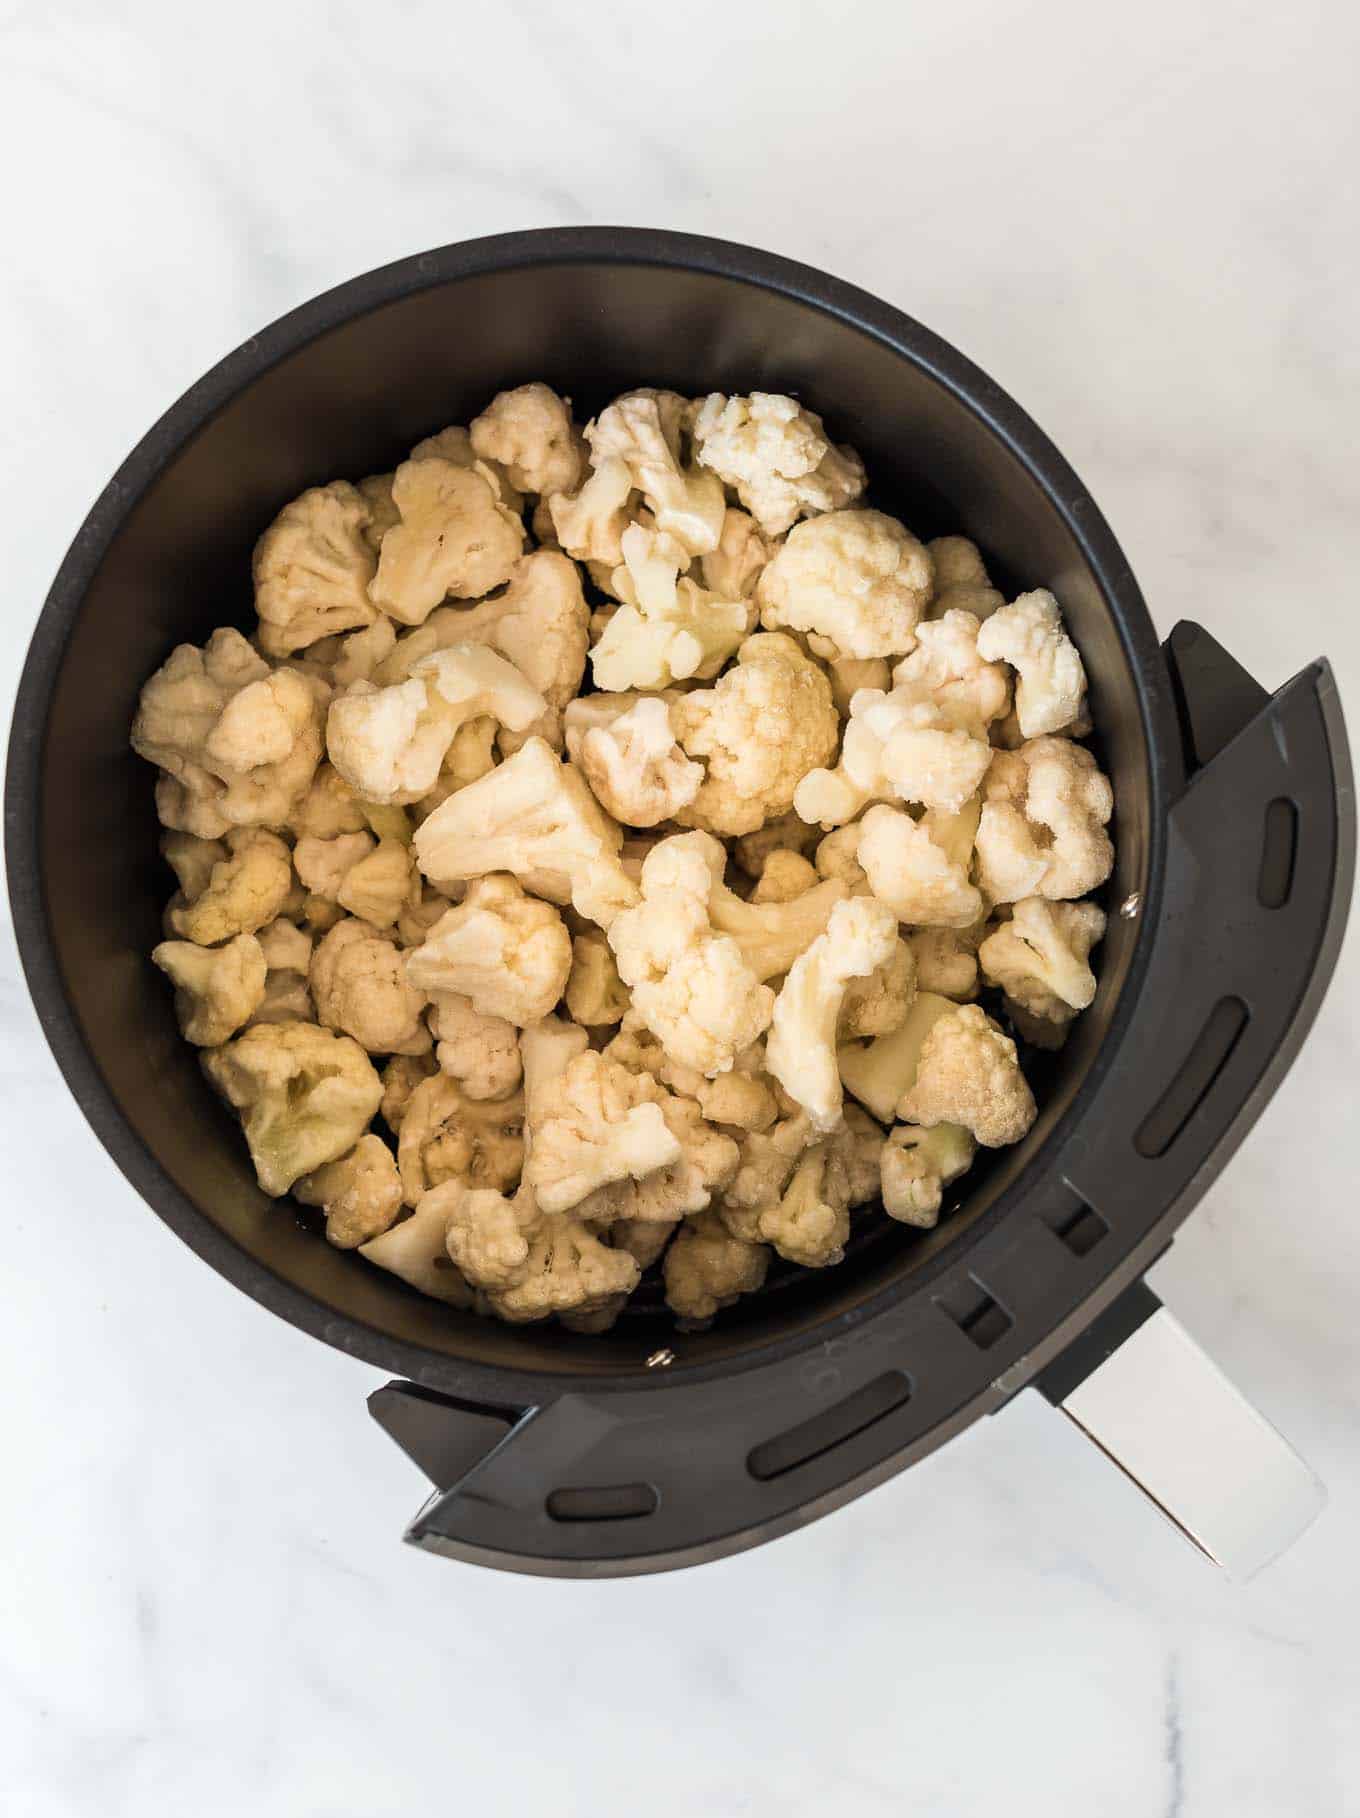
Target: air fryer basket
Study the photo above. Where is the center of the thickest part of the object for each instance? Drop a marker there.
(639, 1449)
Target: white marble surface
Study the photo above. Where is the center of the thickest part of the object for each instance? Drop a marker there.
(1142, 222)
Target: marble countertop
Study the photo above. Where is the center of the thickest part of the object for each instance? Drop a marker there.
(1143, 225)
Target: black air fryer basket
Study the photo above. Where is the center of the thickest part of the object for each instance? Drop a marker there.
(642, 1448)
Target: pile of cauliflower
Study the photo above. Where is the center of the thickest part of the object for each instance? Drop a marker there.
(531, 989)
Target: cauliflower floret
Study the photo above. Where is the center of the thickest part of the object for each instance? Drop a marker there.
(416, 1251)
(323, 865)
(947, 668)
(946, 959)
(784, 833)
(360, 654)
(644, 1243)
(245, 890)
(589, 524)
(837, 855)
(707, 1162)
(760, 729)
(771, 935)
(1028, 634)
(192, 861)
(217, 989)
(422, 911)
(968, 1074)
(529, 431)
(691, 986)
(801, 1052)
(741, 1099)
(1040, 957)
(733, 568)
(536, 818)
(897, 746)
(389, 743)
(444, 1134)
(917, 1165)
(881, 1072)
(785, 876)
(507, 953)
(643, 430)
(1042, 831)
(480, 1053)
(768, 1158)
(777, 456)
(454, 537)
(638, 772)
(707, 1268)
(913, 874)
(286, 999)
(376, 492)
(595, 994)
(380, 885)
(304, 1095)
(850, 674)
(668, 629)
(359, 985)
(595, 1124)
(312, 570)
(810, 1223)
(961, 581)
(360, 1193)
(328, 809)
(400, 1077)
(285, 946)
(857, 578)
(878, 1004)
(486, 1234)
(191, 804)
(568, 1271)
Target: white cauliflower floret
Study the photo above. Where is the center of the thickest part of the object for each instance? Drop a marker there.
(445, 1134)
(568, 1271)
(455, 537)
(947, 668)
(328, 809)
(707, 1268)
(455, 444)
(690, 985)
(590, 523)
(312, 570)
(768, 1158)
(192, 860)
(961, 581)
(784, 833)
(1040, 957)
(486, 1234)
(376, 492)
(380, 885)
(777, 456)
(1028, 634)
(480, 1053)
(245, 890)
(359, 655)
(801, 1051)
(390, 743)
(858, 579)
(733, 568)
(771, 935)
(946, 959)
(536, 818)
(785, 876)
(897, 746)
(529, 431)
(850, 674)
(416, 1252)
(360, 1193)
(595, 1124)
(837, 855)
(881, 1072)
(744, 1098)
(878, 1004)
(707, 1162)
(668, 629)
(759, 730)
(323, 865)
(217, 989)
(968, 1074)
(359, 985)
(304, 1095)
(1042, 831)
(507, 953)
(400, 1077)
(595, 994)
(917, 1165)
(810, 1223)
(638, 772)
(285, 946)
(908, 870)
(286, 999)
(643, 430)
(191, 804)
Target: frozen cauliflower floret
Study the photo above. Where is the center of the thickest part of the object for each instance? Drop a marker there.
(285, 946)
(707, 1162)
(785, 876)
(912, 874)
(1028, 634)
(707, 1268)
(732, 569)
(360, 1193)
(768, 1158)
(667, 629)
(968, 1074)
(244, 891)
(312, 570)
(506, 952)
(946, 959)
(810, 1223)
(917, 1165)
(850, 674)
(422, 912)
(801, 1049)
(1041, 957)
(390, 743)
(742, 1099)
(536, 818)
(947, 669)
(380, 885)
(961, 581)
(415, 1250)
(690, 985)
(638, 772)
(837, 856)
(191, 804)
(643, 430)
(777, 457)
(529, 431)
(878, 1004)
(595, 1124)
(455, 537)
(590, 523)
(480, 1053)
(327, 809)
(568, 1271)
(359, 985)
(1042, 831)
(400, 1077)
(192, 861)
(485, 1234)
(305, 1096)
(323, 865)
(881, 1072)
(858, 579)
(359, 655)
(217, 989)
(376, 492)
(759, 730)
(286, 999)
(446, 1135)
(783, 833)
(769, 935)
(897, 747)
(596, 995)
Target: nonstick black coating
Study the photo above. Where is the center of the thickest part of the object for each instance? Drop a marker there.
(343, 387)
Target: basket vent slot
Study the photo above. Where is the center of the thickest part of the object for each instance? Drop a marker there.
(1080, 1228)
(1278, 847)
(605, 1502)
(1209, 1054)
(977, 1313)
(811, 1438)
